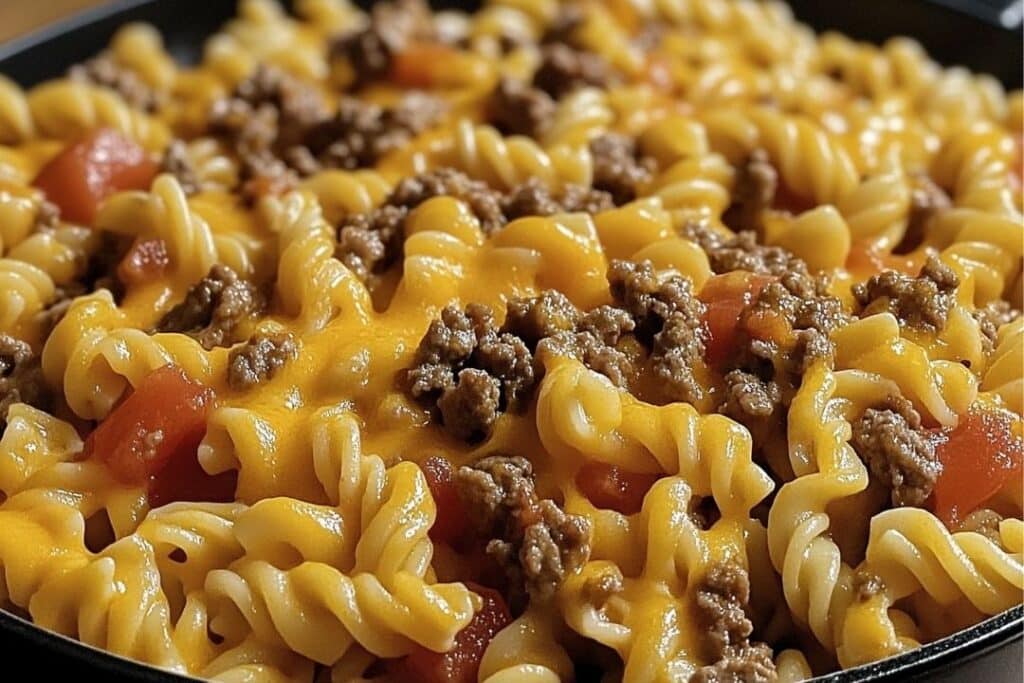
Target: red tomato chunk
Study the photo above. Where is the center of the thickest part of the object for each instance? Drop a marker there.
(611, 488)
(461, 663)
(91, 169)
(152, 438)
(726, 296)
(450, 526)
(419, 65)
(145, 261)
(978, 458)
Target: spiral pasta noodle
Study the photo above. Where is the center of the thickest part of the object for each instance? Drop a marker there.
(631, 340)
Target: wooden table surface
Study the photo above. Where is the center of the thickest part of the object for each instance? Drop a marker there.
(18, 17)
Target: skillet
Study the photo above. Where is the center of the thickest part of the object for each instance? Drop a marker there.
(984, 35)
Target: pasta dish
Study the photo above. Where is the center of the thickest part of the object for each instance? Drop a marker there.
(616, 340)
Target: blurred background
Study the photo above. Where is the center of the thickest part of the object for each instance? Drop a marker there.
(21, 16)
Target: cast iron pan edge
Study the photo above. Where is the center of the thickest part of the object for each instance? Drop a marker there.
(47, 53)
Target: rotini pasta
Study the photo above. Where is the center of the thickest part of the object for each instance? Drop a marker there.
(612, 340)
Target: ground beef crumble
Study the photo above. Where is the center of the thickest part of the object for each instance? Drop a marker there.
(215, 308)
(360, 133)
(392, 26)
(564, 69)
(754, 191)
(470, 371)
(619, 169)
(669, 319)
(603, 341)
(536, 542)
(741, 252)
(369, 243)
(104, 71)
(922, 302)
(891, 442)
(280, 129)
(21, 377)
(749, 396)
(484, 202)
(722, 601)
(533, 198)
(517, 108)
(259, 359)
(176, 162)
(990, 318)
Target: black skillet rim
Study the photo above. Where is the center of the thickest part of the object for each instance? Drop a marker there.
(964, 646)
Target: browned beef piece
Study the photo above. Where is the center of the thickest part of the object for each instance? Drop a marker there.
(484, 202)
(517, 108)
(742, 252)
(564, 69)
(533, 198)
(21, 377)
(361, 133)
(543, 316)
(259, 359)
(536, 542)
(750, 663)
(650, 299)
(270, 108)
(392, 26)
(866, 585)
(897, 450)
(808, 309)
(753, 192)
(618, 168)
(214, 308)
(922, 302)
(470, 371)
(804, 301)
(668, 318)
(265, 120)
(678, 349)
(176, 162)
(722, 602)
(470, 407)
(104, 71)
(263, 174)
(748, 396)
(551, 325)
(990, 318)
(368, 243)
(985, 522)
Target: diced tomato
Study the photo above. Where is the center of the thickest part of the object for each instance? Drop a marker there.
(421, 64)
(91, 169)
(145, 261)
(153, 435)
(725, 296)
(450, 525)
(611, 488)
(977, 457)
(183, 478)
(462, 663)
(864, 261)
